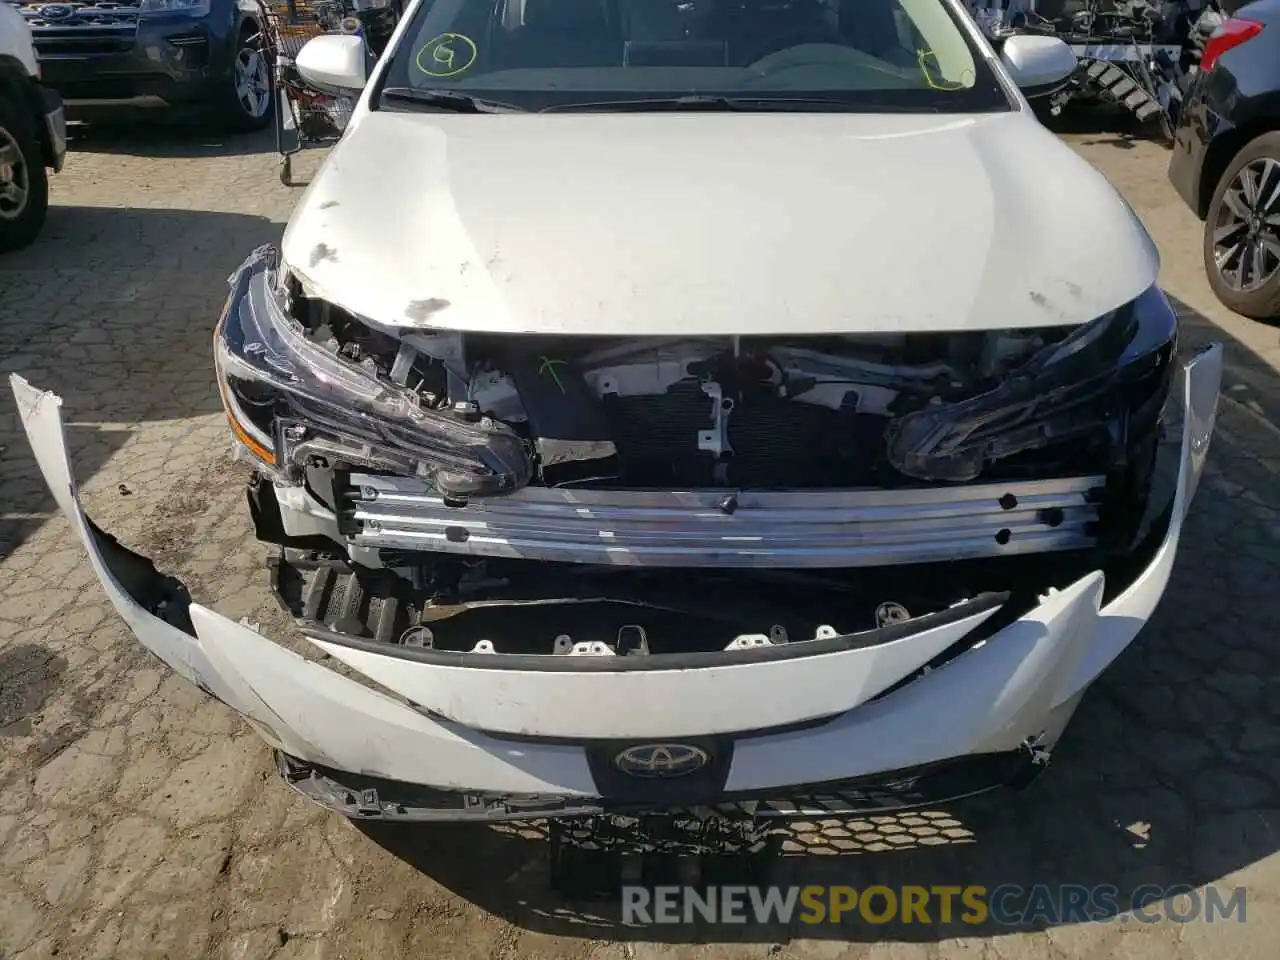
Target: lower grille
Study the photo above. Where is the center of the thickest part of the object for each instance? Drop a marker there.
(83, 42)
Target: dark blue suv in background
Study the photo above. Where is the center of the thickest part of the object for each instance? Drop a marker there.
(178, 54)
(1226, 157)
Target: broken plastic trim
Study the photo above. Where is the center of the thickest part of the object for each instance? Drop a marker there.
(993, 695)
(290, 567)
(986, 603)
(374, 798)
(159, 594)
(311, 403)
(1071, 388)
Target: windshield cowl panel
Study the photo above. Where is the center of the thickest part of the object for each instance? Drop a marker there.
(875, 56)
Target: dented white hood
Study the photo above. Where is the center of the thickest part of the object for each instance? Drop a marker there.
(680, 224)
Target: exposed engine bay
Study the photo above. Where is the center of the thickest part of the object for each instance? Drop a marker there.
(765, 413)
(423, 483)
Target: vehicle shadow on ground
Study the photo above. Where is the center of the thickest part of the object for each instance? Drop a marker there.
(164, 137)
(1107, 124)
(1167, 777)
(113, 309)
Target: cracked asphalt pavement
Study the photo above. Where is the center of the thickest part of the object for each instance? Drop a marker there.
(139, 818)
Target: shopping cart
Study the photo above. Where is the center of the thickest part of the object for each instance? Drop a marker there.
(304, 115)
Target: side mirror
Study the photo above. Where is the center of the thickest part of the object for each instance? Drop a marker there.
(333, 62)
(1038, 65)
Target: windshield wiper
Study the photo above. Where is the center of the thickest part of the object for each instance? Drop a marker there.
(449, 100)
(720, 102)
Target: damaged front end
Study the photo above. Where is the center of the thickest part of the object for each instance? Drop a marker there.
(417, 476)
(917, 707)
(477, 415)
(577, 576)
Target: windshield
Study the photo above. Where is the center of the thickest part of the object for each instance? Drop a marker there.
(853, 55)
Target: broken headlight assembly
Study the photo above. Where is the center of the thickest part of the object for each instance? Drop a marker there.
(1109, 377)
(290, 402)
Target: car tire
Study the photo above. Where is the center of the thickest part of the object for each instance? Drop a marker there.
(240, 109)
(21, 166)
(1236, 225)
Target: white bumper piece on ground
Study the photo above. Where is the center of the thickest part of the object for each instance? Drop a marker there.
(527, 732)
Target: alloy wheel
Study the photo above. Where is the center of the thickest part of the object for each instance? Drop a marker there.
(253, 83)
(15, 179)
(1246, 229)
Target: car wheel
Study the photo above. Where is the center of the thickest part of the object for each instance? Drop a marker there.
(24, 184)
(1242, 231)
(246, 105)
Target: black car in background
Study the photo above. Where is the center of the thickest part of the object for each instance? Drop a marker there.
(1226, 158)
(201, 55)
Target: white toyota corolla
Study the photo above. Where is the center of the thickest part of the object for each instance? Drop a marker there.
(657, 403)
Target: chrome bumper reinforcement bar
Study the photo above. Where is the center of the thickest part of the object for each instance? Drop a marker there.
(724, 528)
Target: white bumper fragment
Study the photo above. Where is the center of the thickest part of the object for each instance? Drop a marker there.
(1022, 683)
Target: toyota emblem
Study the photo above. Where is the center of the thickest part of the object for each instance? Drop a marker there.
(654, 760)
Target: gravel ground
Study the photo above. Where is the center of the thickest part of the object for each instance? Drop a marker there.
(138, 818)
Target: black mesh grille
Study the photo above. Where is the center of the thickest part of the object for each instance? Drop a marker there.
(776, 443)
(657, 437)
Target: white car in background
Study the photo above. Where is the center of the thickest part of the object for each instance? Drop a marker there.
(33, 134)
(729, 403)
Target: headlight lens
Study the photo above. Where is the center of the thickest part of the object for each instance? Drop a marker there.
(288, 399)
(1099, 378)
(193, 8)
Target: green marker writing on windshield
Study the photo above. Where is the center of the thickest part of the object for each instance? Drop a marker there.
(443, 60)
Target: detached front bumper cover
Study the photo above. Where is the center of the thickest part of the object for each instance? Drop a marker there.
(514, 734)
